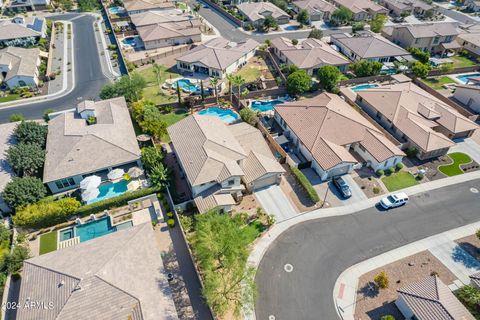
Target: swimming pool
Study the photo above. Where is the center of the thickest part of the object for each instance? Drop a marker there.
(264, 106)
(363, 87)
(463, 78)
(110, 190)
(116, 10)
(93, 229)
(186, 85)
(226, 115)
(130, 41)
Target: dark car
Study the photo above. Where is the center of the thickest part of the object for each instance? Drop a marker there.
(342, 186)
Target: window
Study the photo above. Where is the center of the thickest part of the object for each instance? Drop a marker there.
(64, 183)
(362, 148)
(231, 182)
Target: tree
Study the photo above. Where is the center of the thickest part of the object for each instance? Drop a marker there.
(238, 80)
(15, 117)
(381, 280)
(202, 90)
(298, 82)
(214, 83)
(13, 262)
(158, 175)
(316, 33)
(470, 295)
(151, 156)
(87, 5)
(365, 68)
(269, 22)
(303, 17)
(423, 57)
(421, 70)
(46, 212)
(22, 191)
(249, 116)
(179, 94)
(4, 233)
(129, 87)
(196, 7)
(342, 15)
(152, 121)
(329, 76)
(31, 132)
(157, 71)
(358, 26)
(376, 25)
(230, 78)
(25, 158)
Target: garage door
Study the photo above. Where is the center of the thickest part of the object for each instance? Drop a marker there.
(265, 181)
(338, 171)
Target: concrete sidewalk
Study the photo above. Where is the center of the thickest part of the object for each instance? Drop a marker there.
(345, 291)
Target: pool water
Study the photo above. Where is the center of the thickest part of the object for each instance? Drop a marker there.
(116, 10)
(93, 229)
(186, 85)
(464, 77)
(66, 234)
(110, 190)
(226, 115)
(264, 106)
(364, 86)
(130, 41)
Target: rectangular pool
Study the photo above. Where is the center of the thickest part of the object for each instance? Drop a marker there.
(463, 78)
(363, 87)
(110, 190)
(93, 229)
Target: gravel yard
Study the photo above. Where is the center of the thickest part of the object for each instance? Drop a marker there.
(373, 304)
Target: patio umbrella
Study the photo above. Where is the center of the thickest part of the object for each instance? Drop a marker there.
(116, 174)
(135, 172)
(90, 182)
(90, 194)
(133, 185)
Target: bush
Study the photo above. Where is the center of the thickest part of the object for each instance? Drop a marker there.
(376, 190)
(170, 214)
(15, 117)
(23, 191)
(380, 172)
(249, 116)
(171, 223)
(387, 317)
(31, 132)
(381, 280)
(298, 82)
(25, 158)
(14, 261)
(411, 152)
(399, 166)
(390, 170)
(307, 186)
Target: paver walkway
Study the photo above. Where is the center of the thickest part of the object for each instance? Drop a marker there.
(275, 202)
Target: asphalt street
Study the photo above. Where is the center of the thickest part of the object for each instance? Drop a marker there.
(89, 78)
(320, 250)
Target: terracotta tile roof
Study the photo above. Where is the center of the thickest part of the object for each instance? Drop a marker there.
(168, 30)
(321, 124)
(212, 198)
(313, 6)
(431, 299)
(161, 16)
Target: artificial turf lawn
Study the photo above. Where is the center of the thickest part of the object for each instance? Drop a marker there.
(454, 169)
(48, 242)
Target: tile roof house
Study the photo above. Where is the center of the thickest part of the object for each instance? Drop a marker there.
(430, 299)
(20, 29)
(217, 57)
(472, 5)
(255, 12)
(162, 16)
(216, 157)
(468, 95)
(76, 149)
(6, 172)
(317, 9)
(368, 46)
(327, 131)
(416, 117)
(19, 66)
(140, 6)
(309, 55)
(470, 42)
(362, 9)
(170, 34)
(431, 37)
(117, 276)
(418, 8)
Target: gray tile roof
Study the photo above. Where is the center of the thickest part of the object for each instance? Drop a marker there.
(431, 299)
(255, 11)
(154, 17)
(475, 278)
(168, 30)
(369, 45)
(426, 30)
(75, 148)
(20, 61)
(313, 6)
(10, 30)
(117, 276)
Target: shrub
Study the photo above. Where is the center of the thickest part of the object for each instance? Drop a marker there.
(271, 219)
(329, 76)
(298, 82)
(399, 166)
(381, 280)
(387, 317)
(187, 223)
(25, 158)
(376, 190)
(411, 152)
(171, 223)
(170, 214)
(380, 172)
(14, 261)
(434, 273)
(31, 132)
(14, 117)
(23, 191)
(307, 186)
(249, 116)
(390, 170)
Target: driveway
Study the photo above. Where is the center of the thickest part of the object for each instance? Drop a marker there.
(274, 201)
(468, 146)
(333, 196)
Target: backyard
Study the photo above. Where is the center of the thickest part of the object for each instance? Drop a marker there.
(173, 117)
(399, 180)
(255, 68)
(437, 83)
(460, 61)
(152, 91)
(48, 242)
(454, 168)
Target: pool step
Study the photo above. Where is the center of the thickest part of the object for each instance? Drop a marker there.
(68, 243)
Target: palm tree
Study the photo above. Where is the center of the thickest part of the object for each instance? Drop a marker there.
(157, 70)
(238, 81)
(159, 176)
(214, 83)
(230, 78)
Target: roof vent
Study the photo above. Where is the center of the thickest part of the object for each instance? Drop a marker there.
(61, 284)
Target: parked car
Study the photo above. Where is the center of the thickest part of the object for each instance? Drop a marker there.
(394, 200)
(342, 186)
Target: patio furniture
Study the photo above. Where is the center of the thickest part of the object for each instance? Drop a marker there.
(90, 194)
(116, 174)
(90, 182)
(133, 185)
(135, 172)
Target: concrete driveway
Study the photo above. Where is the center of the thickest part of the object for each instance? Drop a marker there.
(274, 201)
(468, 146)
(333, 196)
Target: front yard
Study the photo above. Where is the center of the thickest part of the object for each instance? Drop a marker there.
(399, 180)
(455, 168)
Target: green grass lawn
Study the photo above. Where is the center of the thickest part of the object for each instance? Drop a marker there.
(48, 242)
(10, 97)
(399, 180)
(149, 75)
(174, 117)
(154, 94)
(437, 83)
(461, 61)
(454, 169)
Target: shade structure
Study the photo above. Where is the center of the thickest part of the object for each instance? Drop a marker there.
(90, 194)
(133, 185)
(135, 172)
(90, 182)
(116, 174)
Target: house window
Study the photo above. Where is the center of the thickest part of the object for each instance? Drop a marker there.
(231, 182)
(64, 183)
(362, 148)
(417, 41)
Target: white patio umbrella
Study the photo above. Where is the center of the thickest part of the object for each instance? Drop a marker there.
(116, 174)
(135, 172)
(133, 185)
(90, 194)
(90, 182)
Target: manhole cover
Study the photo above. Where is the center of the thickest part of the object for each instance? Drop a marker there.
(473, 190)
(271, 317)
(288, 267)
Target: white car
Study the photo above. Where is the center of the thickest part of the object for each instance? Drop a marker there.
(394, 200)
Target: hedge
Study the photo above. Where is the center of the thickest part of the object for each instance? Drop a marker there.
(312, 194)
(113, 202)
